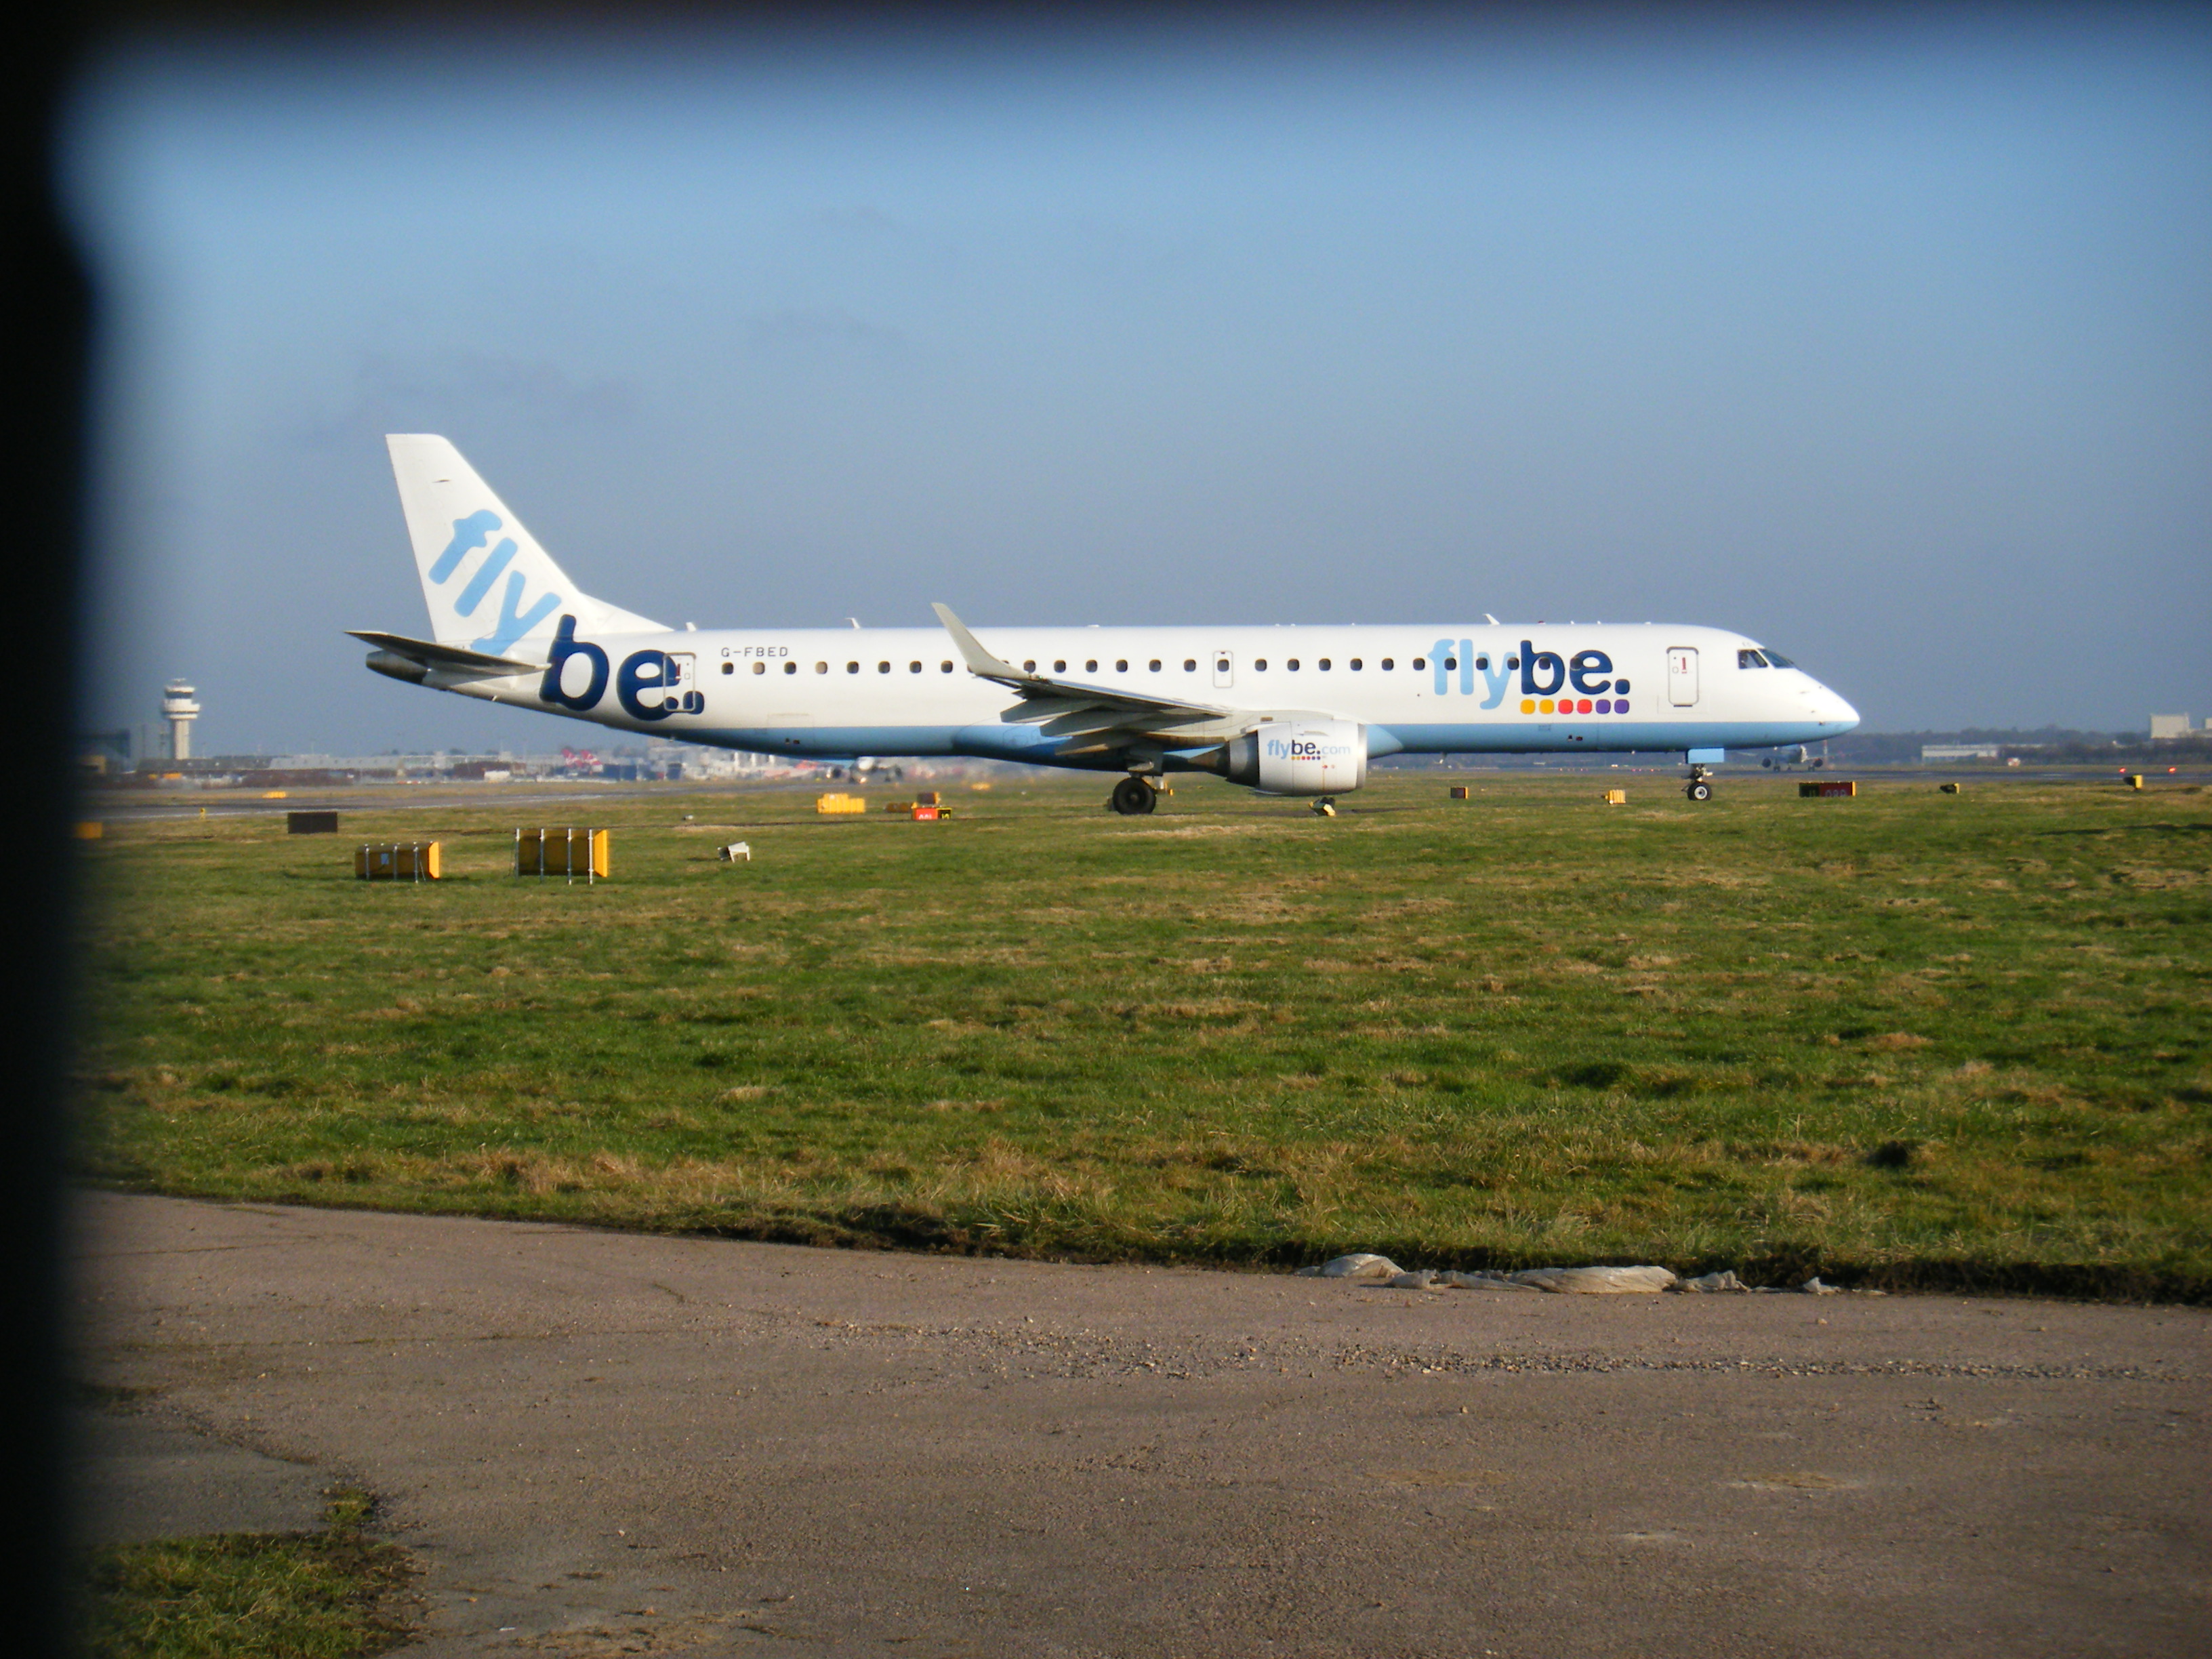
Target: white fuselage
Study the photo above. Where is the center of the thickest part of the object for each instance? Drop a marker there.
(1459, 689)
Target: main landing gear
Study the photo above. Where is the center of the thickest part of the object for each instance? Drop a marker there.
(1699, 789)
(1134, 796)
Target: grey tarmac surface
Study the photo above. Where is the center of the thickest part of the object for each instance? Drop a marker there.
(137, 1478)
(600, 1444)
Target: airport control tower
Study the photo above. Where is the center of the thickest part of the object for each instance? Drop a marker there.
(180, 709)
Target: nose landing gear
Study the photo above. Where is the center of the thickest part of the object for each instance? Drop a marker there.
(1699, 789)
(1134, 796)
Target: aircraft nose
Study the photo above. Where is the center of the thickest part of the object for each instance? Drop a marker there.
(1830, 709)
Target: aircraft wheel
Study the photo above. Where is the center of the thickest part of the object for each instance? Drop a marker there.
(1132, 797)
(1699, 790)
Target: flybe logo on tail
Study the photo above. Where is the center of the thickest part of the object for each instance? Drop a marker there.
(510, 621)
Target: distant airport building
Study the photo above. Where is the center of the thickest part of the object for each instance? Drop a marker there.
(692, 760)
(102, 752)
(1957, 751)
(181, 707)
(2173, 725)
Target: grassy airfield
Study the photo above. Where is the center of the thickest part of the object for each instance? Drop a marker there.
(1910, 1039)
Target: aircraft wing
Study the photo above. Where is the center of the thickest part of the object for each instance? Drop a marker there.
(457, 659)
(1034, 687)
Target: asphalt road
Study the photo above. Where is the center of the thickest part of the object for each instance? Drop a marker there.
(600, 1444)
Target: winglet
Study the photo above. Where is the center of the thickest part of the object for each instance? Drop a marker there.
(980, 661)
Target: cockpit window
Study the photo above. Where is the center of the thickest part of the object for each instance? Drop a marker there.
(1778, 660)
(1748, 658)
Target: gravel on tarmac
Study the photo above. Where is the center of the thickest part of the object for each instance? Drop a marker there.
(598, 1443)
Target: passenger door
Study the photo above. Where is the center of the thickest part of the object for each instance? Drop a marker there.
(1682, 676)
(683, 693)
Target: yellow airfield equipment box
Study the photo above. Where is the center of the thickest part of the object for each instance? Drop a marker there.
(400, 861)
(839, 803)
(1616, 798)
(565, 852)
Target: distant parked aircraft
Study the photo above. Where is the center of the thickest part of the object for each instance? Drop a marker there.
(1287, 711)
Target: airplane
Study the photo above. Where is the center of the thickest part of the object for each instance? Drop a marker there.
(1296, 711)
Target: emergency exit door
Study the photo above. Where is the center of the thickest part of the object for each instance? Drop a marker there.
(1224, 668)
(674, 674)
(1682, 675)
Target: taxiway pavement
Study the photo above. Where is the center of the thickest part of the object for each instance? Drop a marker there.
(599, 1443)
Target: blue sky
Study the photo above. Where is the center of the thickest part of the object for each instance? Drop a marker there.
(1890, 342)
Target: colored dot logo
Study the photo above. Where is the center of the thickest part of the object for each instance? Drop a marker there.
(1574, 706)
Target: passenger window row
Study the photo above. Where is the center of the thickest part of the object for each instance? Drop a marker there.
(1323, 665)
(850, 668)
(1744, 658)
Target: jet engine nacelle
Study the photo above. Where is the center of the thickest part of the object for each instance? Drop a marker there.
(1299, 757)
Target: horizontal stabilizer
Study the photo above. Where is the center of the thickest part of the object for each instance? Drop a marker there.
(431, 655)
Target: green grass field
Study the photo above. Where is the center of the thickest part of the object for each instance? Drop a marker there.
(1910, 1039)
(337, 1594)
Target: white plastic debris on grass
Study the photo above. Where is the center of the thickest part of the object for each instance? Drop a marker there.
(1359, 1267)
(1459, 1281)
(1723, 1283)
(1363, 1268)
(1597, 1281)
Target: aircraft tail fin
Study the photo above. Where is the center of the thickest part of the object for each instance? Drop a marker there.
(490, 587)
